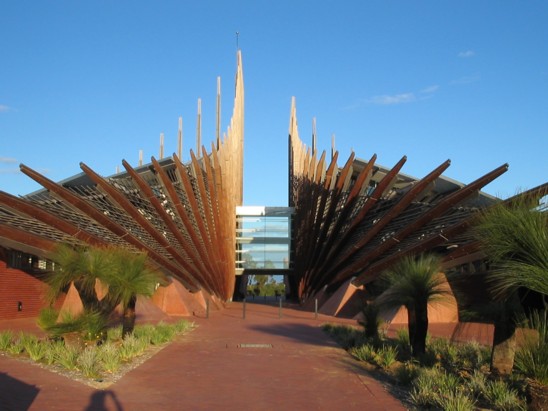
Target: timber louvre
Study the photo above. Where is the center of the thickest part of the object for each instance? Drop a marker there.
(349, 222)
(181, 215)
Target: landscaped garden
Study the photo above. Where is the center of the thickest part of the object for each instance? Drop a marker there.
(449, 376)
(439, 374)
(97, 359)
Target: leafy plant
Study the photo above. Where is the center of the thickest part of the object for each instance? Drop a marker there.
(371, 321)
(47, 318)
(414, 281)
(67, 356)
(365, 352)
(34, 348)
(532, 358)
(162, 334)
(386, 356)
(110, 357)
(501, 397)
(477, 383)
(131, 347)
(88, 362)
(406, 373)
(17, 345)
(432, 385)
(6, 338)
(456, 401)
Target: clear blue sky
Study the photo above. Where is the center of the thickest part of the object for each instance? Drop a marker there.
(97, 81)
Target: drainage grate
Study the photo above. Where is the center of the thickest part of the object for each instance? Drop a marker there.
(254, 345)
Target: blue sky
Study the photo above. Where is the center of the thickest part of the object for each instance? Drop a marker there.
(98, 81)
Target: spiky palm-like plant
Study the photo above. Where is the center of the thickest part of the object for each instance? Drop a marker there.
(82, 267)
(413, 282)
(514, 235)
(124, 273)
(130, 278)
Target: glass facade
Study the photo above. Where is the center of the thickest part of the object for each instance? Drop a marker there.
(263, 238)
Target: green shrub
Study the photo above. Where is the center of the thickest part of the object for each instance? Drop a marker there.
(88, 362)
(162, 334)
(476, 383)
(114, 333)
(131, 347)
(145, 332)
(365, 352)
(110, 357)
(50, 351)
(90, 324)
(34, 348)
(456, 401)
(47, 318)
(346, 336)
(183, 326)
(17, 345)
(387, 356)
(371, 321)
(501, 397)
(432, 385)
(472, 355)
(6, 337)
(406, 373)
(532, 358)
(67, 356)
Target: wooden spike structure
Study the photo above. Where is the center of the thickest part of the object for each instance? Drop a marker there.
(181, 214)
(349, 223)
(353, 222)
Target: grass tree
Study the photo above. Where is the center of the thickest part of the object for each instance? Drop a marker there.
(82, 267)
(131, 277)
(123, 273)
(413, 282)
(515, 238)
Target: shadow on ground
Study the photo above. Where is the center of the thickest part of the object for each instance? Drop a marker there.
(21, 395)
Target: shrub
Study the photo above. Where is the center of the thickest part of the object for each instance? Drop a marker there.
(114, 333)
(371, 321)
(365, 352)
(131, 347)
(50, 351)
(532, 358)
(67, 356)
(472, 355)
(476, 383)
(88, 362)
(17, 345)
(110, 357)
(144, 332)
(387, 356)
(406, 373)
(456, 401)
(34, 348)
(162, 334)
(6, 338)
(47, 318)
(183, 326)
(432, 385)
(501, 397)
(347, 337)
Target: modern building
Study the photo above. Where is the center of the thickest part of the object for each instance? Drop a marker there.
(343, 226)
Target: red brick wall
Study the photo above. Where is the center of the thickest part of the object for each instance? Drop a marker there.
(15, 286)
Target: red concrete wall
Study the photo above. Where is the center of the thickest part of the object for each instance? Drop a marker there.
(18, 286)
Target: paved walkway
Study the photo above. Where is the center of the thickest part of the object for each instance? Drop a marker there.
(224, 364)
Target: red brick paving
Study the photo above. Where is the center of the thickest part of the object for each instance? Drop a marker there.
(207, 370)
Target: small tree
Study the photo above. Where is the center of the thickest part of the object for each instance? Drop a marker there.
(130, 278)
(124, 273)
(514, 235)
(413, 282)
